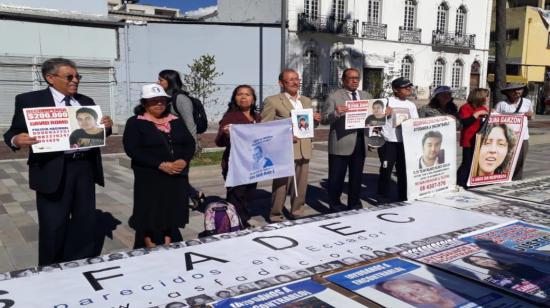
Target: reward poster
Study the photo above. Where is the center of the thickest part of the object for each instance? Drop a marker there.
(357, 114)
(260, 152)
(497, 149)
(430, 151)
(65, 128)
(234, 263)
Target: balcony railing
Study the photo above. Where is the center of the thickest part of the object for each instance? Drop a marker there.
(454, 40)
(458, 93)
(409, 35)
(314, 90)
(374, 31)
(324, 24)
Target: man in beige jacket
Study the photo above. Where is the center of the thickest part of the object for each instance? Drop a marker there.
(278, 107)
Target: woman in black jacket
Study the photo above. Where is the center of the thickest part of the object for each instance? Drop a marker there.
(161, 148)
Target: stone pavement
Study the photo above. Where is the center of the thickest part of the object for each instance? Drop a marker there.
(18, 216)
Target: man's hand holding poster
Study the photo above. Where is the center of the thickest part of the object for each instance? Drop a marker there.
(302, 123)
(497, 149)
(65, 128)
(430, 148)
(260, 152)
(357, 114)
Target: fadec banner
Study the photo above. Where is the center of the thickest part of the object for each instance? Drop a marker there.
(65, 128)
(396, 282)
(198, 270)
(497, 148)
(430, 153)
(260, 152)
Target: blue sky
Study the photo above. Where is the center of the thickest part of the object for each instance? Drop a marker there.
(183, 5)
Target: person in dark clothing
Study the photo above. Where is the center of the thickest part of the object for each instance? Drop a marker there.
(440, 104)
(242, 110)
(161, 148)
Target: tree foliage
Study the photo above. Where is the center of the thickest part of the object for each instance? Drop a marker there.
(200, 80)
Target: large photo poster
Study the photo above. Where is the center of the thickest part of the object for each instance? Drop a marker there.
(496, 150)
(430, 151)
(260, 152)
(396, 282)
(65, 128)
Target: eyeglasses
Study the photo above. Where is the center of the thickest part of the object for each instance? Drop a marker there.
(70, 78)
(155, 101)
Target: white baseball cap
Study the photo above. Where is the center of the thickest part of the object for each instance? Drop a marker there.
(152, 90)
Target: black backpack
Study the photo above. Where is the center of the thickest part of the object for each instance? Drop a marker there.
(199, 114)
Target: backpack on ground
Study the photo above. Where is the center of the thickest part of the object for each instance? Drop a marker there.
(199, 114)
(221, 217)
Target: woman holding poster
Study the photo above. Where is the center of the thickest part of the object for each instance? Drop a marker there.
(161, 148)
(470, 116)
(242, 110)
(496, 151)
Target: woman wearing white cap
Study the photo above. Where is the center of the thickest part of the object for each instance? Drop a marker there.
(160, 147)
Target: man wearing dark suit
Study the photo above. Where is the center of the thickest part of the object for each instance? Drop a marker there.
(64, 181)
(346, 148)
(278, 107)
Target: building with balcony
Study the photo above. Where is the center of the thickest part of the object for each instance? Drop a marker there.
(527, 44)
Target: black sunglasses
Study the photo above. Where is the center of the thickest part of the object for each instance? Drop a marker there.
(70, 78)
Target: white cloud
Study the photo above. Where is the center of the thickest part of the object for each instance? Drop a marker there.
(202, 11)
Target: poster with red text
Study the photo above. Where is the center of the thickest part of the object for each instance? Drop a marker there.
(65, 128)
(357, 114)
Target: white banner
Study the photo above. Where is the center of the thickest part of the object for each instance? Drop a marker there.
(180, 273)
(497, 149)
(430, 151)
(65, 128)
(260, 152)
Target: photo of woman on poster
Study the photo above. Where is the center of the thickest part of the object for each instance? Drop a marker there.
(420, 293)
(496, 151)
(89, 134)
(303, 123)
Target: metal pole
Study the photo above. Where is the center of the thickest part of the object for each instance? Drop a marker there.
(283, 33)
(261, 92)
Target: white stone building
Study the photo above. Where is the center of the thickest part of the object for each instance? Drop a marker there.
(432, 42)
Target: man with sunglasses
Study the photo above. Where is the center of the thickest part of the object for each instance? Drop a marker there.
(64, 181)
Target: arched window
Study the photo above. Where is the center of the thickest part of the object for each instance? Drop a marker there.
(311, 8)
(373, 13)
(407, 67)
(409, 22)
(456, 74)
(461, 20)
(310, 73)
(338, 9)
(439, 72)
(336, 68)
(442, 17)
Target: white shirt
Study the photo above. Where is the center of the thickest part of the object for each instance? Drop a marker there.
(394, 134)
(526, 106)
(58, 98)
(296, 103)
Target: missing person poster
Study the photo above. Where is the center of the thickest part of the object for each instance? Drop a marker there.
(304, 293)
(519, 272)
(396, 282)
(377, 113)
(302, 123)
(260, 152)
(430, 151)
(65, 128)
(357, 114)
(535, 189)
(497, 149)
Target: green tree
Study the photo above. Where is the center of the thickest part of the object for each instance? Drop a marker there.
(200, 80)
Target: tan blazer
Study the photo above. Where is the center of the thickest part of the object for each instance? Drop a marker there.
(277, 107)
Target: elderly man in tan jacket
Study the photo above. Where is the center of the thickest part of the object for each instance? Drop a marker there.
(278, 107)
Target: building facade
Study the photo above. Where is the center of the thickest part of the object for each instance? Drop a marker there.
(431, 42)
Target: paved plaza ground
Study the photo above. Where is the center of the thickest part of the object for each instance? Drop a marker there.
(18, 215)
